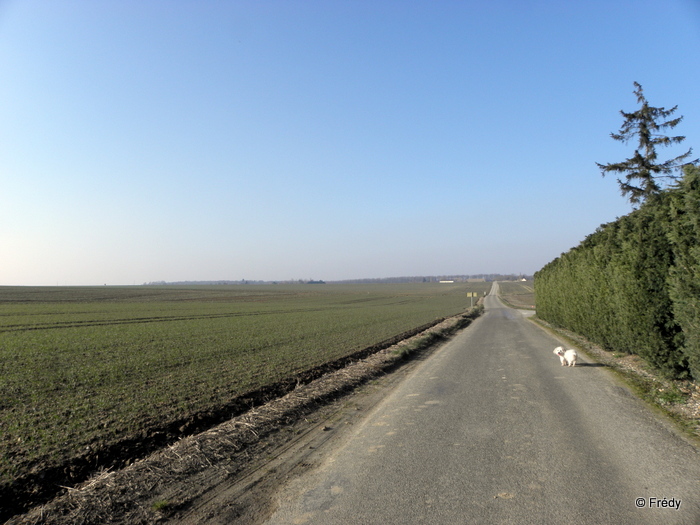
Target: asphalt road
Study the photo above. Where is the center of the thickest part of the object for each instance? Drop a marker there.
(491, 429)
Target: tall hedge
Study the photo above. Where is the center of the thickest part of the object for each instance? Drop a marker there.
(684, 276)
(634, 284)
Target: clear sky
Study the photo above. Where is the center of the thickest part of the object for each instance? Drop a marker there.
(266, 139)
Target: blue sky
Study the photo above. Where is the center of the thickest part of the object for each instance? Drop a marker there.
(273, 140)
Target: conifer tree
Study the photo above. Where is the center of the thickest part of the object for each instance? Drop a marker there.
(644, 174)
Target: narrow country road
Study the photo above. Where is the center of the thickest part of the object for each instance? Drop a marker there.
(492, 430)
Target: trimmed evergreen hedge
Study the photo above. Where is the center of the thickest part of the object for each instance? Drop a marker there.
(633, 285)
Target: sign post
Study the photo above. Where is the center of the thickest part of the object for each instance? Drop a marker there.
(471, 295)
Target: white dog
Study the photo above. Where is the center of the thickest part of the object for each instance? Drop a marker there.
(568, 358)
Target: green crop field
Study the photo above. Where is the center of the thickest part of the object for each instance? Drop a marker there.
(518, 294)
(83, 368)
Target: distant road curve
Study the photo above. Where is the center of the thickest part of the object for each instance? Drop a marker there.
(491, 429)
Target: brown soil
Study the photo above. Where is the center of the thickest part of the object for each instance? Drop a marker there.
(196, 478)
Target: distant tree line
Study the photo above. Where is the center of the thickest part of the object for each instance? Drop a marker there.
(483, 277)
(415, 279)
(190, 283)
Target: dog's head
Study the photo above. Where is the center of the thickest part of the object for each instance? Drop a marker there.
(559, 351)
